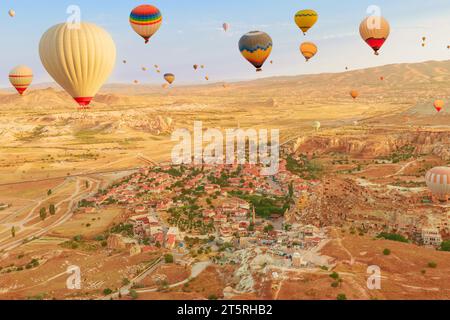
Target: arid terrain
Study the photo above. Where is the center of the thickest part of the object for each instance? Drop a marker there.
(373, 152)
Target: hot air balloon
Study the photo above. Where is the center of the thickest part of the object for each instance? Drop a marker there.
(79, 59)
(156, 66)
(306, 19)
(423, 45)
(202, 66)
(226, 26)
(439, 105)
(256, 47)
(271, 61)
(124, 61)
(316, 125)
(165, 86)
(21, 78)
(382, 78)
(424, 39)
(144, 69)
(448, 47)
(136, 82)
(308, 50)
(438, 182)
(195, 66)
(207, 78)
(146, 21)
(170, 77)
(158, 71)
(12, 13)
(354, 94)
(375, 31)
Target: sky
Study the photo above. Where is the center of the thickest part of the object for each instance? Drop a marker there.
(192, 34)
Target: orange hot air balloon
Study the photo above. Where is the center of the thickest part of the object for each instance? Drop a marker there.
(354, 94)
(207, 78)
(439, 105)
(170, 77)
(21, 78)
(308, 50)
(375, 31)
(382, 78)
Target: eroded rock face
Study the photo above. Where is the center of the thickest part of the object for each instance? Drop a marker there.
(377, 145)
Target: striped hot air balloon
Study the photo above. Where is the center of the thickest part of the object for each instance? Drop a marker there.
(375, 31)
(439, 105)
(21, 78)
(256, 47)
(308, 50)
(438, 181)
(79, 59)
(306, 19)
(146, 21)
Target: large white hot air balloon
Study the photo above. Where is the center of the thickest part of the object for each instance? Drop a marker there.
(438, 181)
(79, 59)
(21, 78)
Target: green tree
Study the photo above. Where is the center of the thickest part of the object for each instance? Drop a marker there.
(386, 252)
(168, 258)
(43, 214)
(133, 294)
(107, 291)
(52, 209)
(445, 246)
(341, 297)
(49, 192)
(87, 184)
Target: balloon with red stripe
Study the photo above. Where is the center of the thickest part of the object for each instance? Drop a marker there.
(146, 21)
(21, 78)
(375, 30)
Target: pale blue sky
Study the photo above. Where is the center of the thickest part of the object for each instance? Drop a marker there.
(192, 34)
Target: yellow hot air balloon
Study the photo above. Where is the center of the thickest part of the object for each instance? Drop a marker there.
(354, 94)
(308, 50)
(207, 78)
(170, 77)
(306, 19)
(439, 105)
(79, 59)
(375, 31)
(317, 125)
(21, 78)
(144, 69)
(12, 13)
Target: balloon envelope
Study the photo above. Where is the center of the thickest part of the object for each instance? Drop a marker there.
(375, 31)
(256, 47)
(79, 59)
(308, 50)
(354, 94)
(21, 78)
(12, 13)
(306, 19)
(439, 105)
(226, 26)
(146, 21)
(170, 77)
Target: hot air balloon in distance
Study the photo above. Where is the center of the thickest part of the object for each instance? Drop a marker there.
(12, 13)
(375, 31)
(170, 77)
(207, 78)
(424, 39)
(448, 47)
(226, 26)
(306, 19)
(439, 105)
(158, 71)
(165, 86)
(438, 182)
(346, 68)
(80, 59)
(146, 21)
(136, 82)
(316, 125)
(354, 94)
(423, 45)
(256, 47)
(308, 50)
(156, 66)
(144, 69)
(21, 78)
(124, 61)
(202, 66)
(195, 66)
(382, 78)
(271, 61)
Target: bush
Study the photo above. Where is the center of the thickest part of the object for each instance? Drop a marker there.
(334, 275)
(107, 291)
(133, 294)
(445, 246)
(432, 265)
(386, 252)
(392, 237)
(168, 258)
(213, 297)
(341, 297)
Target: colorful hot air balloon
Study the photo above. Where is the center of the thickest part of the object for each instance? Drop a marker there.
(256, 47)
(308, 50)
(195, 66)
(354, 94)
(170, 77)
(375, 31)
(439, 105)
(12, 13)
(21, 78)
(306, 19)
(146, 21)
(79, 59)
(226, 26)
